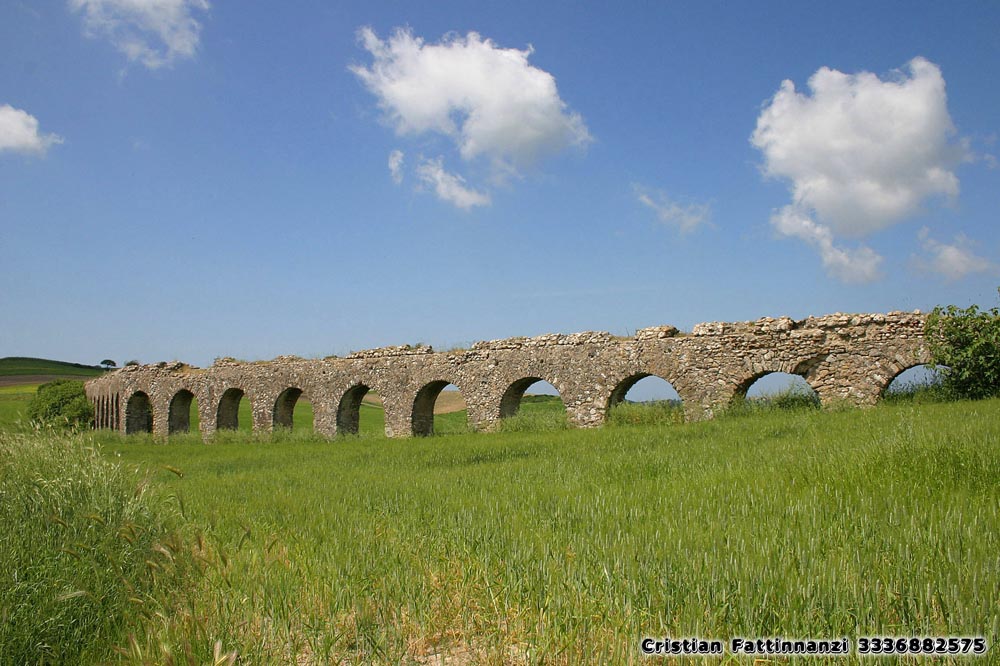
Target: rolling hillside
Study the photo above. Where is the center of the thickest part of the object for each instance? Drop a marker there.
(18, 370)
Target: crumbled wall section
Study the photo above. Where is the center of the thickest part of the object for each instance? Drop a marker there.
(847, 359)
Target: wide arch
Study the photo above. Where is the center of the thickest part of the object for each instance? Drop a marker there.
(780, 388)
(227, 415)
(667, 407)
(179, 412)
(901, 380)
(138, 413)
(621, 389)
(283, 412)
(510, 401)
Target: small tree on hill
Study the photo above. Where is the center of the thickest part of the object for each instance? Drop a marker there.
(965, 346)
(108, 364)
(61, 403)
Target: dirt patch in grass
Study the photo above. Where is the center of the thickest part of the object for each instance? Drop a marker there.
(17, 380)
(447, 402)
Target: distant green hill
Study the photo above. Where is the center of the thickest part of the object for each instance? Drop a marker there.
(19, 365)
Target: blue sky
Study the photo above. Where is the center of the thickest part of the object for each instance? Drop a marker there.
(185, 180)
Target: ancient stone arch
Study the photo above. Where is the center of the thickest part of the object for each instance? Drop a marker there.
(846, 358)
(138, 413)
(179, 412)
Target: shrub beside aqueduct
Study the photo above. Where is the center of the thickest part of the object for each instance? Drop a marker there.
(847, 359)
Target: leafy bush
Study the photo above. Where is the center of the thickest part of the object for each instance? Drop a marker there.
(61, 403)
(965, 346)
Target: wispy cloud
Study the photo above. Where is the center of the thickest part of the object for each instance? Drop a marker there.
(153, 32)
(671, 213)
(859, 265)
(396, 166)
(953, 261)
(450, 187)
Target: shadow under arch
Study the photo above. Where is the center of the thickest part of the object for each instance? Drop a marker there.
(422, 416)
(227, 415)
(283, 412)
(138, 413)
(349, 421)
(179, 413)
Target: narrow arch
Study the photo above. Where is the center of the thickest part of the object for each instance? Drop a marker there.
(291, 408)
(645, 398)
(138, 414)
(228, 413)
(777, 389)
(423, 416)
(361, 412)
(179, 415)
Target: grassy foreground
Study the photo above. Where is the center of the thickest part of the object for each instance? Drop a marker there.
(569, 546)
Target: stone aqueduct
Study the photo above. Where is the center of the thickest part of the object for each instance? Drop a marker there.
(845, 358)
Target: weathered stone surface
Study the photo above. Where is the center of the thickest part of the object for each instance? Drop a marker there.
(846, 358)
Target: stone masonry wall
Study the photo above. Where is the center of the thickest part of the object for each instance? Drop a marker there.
(846, 358)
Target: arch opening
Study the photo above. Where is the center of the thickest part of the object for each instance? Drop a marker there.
(532, 403)
(777, 390)
(183, 413)
(361, 412)
(138, 414)
(917, 382)
(439, 408)
(234, 412)
(645, 398)
(292, 410)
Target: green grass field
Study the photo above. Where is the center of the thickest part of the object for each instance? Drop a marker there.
(14, 404)
(538, 544)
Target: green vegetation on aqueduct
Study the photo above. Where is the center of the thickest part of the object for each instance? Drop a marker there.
(561, 547)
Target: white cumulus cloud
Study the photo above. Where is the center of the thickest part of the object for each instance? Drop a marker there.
(396, 166)
(450, 187)
(685, 218)
(489, 100)
(953, 261)
(19, 132)
(860, 153)
(153, 32)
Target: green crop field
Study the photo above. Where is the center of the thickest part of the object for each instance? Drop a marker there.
(14, 404)
(554, 546)
(17, 365)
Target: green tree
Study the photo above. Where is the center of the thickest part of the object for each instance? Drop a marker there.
(965, 346)
(108, 364)
(61, 403)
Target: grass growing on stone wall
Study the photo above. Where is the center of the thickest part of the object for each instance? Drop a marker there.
(568, 546)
